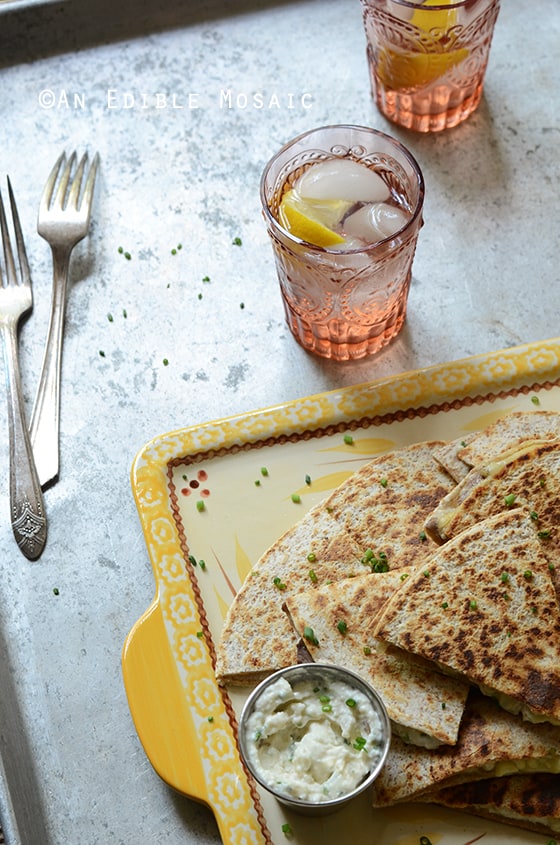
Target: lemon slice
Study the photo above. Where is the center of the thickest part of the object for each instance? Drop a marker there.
(439, 19)
(305, 220)
(398, 70)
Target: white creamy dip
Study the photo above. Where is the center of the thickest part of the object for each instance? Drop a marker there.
(313, 739)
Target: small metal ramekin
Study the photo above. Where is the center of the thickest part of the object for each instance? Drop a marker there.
(298, 673)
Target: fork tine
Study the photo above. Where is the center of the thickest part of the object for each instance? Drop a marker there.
(60, 197)
(9, 264)
(76, 186)
(90, 185)
(51, 181)
(22, 253)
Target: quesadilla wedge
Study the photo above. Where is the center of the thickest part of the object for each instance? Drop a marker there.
(374, 518)
(505, 435)
(425, 707)
(526, 477)
(530, 801)
(448, 456)
(257, 637)
(508, 433)
(485, 609)
(384, 505)
(492, 743)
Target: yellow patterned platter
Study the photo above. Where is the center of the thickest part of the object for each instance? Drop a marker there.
(211, 499)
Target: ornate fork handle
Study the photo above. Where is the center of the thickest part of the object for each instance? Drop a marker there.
(28, 518)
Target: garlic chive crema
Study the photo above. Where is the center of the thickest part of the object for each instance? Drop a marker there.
(313, 737)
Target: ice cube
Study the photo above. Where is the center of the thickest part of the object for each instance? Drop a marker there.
(342, 179)
(372, 223)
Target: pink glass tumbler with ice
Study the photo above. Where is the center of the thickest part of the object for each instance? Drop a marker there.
(343, 209)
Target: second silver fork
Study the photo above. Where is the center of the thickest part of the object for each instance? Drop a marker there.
(28, 518)
(63, 221)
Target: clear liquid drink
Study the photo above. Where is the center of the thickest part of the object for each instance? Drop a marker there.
(345, 268)
(428, 60)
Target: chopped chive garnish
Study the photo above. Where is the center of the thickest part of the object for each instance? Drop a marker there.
(350, 702)
(348, 439)
(278, 583)
(510, 499)
(200, 505)
(309, 635)
(313, 576)
(342, 626)
(296, 498)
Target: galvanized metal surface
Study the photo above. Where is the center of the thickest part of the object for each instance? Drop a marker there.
(185, 103)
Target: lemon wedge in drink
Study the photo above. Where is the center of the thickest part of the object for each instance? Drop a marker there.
(398, 70)
(311, 222)
(439, 19)
(410, 69)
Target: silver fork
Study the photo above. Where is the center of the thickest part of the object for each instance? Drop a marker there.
(63, 221)
(28, 518)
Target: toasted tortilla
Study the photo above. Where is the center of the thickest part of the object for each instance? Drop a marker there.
(381, 508)
(485, 608)
(384, 505)
(448, 457)
(507, 433)
(424, 706)
(491, 743)
(257, 637)
(530, 801)
(526, 477)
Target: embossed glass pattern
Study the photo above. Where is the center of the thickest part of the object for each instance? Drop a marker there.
(345, 305)
(427, 62)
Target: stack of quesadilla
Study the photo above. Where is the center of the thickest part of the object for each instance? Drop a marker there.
(492, 742)
(434, 577)
(485, 608)
(526, 477)
(531, 801)
(425, 707)
(507, 433)
(377, 515)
